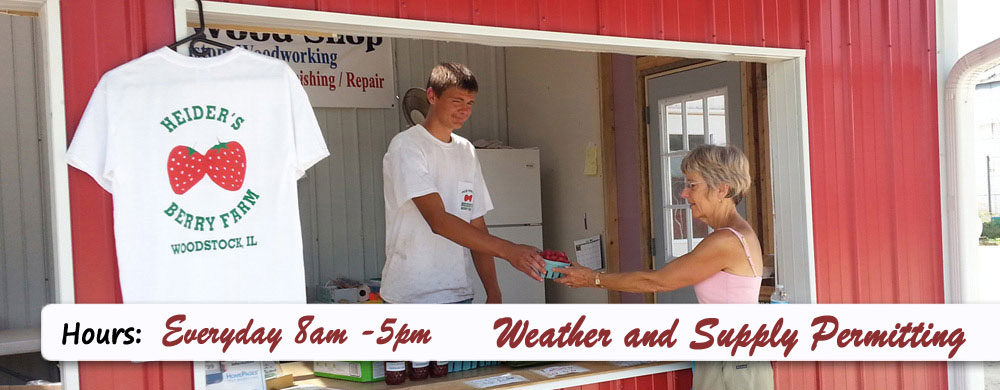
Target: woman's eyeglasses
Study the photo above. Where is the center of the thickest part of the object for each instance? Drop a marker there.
(690, 184)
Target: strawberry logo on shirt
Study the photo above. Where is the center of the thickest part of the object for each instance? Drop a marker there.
(466, 200)
(225, 163)
(185, 168)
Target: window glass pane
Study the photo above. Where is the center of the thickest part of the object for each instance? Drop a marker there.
(695, 122)
(674, 127)
(676, 180)
(717, 119)
(678, 230)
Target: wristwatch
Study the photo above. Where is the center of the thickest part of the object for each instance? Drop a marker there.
(597, 279)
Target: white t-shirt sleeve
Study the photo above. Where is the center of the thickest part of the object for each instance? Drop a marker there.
(483, 204)
(91, 150)
(309, 144)
(407, 168)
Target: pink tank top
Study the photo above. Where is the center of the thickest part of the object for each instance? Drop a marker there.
(724, 287)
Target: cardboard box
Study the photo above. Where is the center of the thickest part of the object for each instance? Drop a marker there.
(280, 382)
(351, 371)
(237, 376)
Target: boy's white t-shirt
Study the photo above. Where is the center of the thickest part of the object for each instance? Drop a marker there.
(202, 156)
(421, 266)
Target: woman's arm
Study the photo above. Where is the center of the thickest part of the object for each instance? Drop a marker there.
(712, 255)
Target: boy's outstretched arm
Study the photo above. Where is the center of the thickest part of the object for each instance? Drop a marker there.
(523, 257)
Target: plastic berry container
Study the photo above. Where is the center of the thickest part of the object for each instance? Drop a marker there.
(553, 260)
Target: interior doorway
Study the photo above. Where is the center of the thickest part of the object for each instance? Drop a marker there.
(711, 102)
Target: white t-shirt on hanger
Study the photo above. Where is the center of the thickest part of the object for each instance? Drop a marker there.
(421, 266)
(202, 156)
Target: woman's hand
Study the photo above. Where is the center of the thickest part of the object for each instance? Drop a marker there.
(576, 276)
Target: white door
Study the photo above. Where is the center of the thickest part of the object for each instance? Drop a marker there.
(686, 109)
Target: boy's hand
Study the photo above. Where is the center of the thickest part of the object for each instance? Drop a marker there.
(526, 259)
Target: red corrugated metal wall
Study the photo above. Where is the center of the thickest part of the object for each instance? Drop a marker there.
(871, 77)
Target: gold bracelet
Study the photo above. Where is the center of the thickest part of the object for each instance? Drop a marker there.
(597, 280)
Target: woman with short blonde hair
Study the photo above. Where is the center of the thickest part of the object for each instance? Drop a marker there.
(720, 165)
(724, 267)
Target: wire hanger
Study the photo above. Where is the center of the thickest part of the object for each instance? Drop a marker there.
(199, 36)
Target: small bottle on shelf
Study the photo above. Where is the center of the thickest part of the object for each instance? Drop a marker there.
(779, 295)
(395, 373)
(439, 368)
(419, 370)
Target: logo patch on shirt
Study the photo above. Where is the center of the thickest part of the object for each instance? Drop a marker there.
(467, 200)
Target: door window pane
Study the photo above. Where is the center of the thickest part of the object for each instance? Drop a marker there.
(674, 126)
(695, 123)
(678, 230)
(676, 180)
(717, 119)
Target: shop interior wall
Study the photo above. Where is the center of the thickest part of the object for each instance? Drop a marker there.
(553, 103)
(340, 199)
(26, 269)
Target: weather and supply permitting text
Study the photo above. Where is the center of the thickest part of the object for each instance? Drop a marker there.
(512, 332)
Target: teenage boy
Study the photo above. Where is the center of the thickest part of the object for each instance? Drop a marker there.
(435, 200)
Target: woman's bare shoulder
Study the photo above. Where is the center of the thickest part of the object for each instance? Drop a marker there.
(721, 241)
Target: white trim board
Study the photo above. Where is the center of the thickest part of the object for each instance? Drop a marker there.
(786, 84)
(49, 18)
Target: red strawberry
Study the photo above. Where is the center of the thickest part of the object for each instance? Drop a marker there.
(185, 168)
(555, 256)
(227, 164)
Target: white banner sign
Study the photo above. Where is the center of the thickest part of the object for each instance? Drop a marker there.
(344, 71)
(521, 332)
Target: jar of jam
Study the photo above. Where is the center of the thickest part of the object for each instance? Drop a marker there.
(419, 370)
(439, 368)
(395, 373)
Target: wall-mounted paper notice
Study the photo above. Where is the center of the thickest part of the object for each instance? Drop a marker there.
(589, 253)
(552, 372)
(498, 380)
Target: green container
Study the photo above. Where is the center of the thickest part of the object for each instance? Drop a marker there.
(355, 371)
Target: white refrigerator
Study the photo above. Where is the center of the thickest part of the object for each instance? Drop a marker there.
(513, 178)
